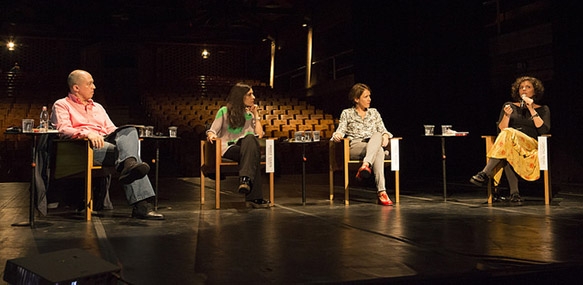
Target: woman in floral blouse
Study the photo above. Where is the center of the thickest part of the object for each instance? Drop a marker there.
(368, 138)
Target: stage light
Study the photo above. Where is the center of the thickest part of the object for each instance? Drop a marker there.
(205, 54)
(10, 45)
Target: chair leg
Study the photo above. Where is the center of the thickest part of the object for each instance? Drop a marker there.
(331, 182)
(88, 183)
(218, 159)
(331, 153)
(397, 187)
(489, 191)
(88, 195)
(218, 187)
(271, 190)
(202, 185)
(202, 146)
(547, 187)
(346, 178)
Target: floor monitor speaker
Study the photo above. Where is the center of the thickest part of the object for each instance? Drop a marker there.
(71, 266)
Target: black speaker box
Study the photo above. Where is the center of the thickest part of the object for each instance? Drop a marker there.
(71, 266)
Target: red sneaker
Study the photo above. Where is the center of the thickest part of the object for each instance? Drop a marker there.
(384, 199)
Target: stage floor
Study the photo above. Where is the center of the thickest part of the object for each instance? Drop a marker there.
(421, 240)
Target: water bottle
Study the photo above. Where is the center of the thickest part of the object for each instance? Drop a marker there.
(44, 120)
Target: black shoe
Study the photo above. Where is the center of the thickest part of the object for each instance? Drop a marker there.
(496, 197)
(515, 198)
(133, 171)
(245, 185)
(257, 203)
(145, 210)
(480, 179)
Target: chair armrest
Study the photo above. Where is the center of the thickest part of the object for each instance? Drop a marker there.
(70, 156)
(336, 153)
(209, 152)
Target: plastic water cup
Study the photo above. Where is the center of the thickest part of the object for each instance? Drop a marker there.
(172, 131)
(316, 136)
(298, 136)
(27, 125)
(429, 129)
(445, 129)
(307, 136)
(149, 131)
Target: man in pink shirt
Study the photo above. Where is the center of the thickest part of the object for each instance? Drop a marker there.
(78, 116)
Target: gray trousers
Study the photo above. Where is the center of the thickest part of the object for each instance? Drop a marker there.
(119, 146)
(373, 153)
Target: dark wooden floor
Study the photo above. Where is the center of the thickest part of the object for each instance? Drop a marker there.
(422, 240)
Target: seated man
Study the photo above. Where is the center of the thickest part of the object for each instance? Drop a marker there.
(77, 116)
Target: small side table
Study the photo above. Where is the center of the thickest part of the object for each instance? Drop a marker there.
(157, 140)
(304, 160)
(443, 159)
(33, 190)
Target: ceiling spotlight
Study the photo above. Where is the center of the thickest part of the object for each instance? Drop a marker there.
(205, 54)
(10, 45)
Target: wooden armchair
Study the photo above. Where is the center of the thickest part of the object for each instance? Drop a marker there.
(544, 162)
(71, 157)
(342, 150)
(212, 161)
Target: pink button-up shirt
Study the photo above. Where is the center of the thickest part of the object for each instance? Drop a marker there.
(75, 120)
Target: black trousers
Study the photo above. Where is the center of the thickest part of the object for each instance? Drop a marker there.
(247, 152)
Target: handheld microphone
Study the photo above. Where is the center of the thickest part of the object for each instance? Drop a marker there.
(525, 100)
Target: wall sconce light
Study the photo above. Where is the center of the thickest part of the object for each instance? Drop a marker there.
(205, 54)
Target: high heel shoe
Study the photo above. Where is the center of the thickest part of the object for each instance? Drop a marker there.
(364, 172)
(384, 199)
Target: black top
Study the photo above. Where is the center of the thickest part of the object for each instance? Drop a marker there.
(521, 120)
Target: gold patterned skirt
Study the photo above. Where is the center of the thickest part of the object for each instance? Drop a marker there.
(521, 152)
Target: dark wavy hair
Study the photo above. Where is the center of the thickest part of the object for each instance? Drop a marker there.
(539, 89)
(235, 106)
(356, 91)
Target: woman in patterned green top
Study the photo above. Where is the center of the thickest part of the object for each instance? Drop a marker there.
(239, 127)
(368, 137)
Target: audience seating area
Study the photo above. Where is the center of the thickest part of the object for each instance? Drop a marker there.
(193, 112)
(281, 116)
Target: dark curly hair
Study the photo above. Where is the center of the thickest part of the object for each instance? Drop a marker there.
(357, 90)
(236, 106)
(539, 89)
